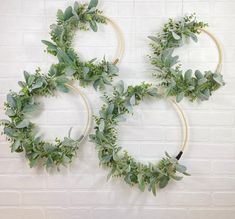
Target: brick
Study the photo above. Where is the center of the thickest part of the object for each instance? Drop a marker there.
(45, 198)
(9, 198)
(188, 199)
(211, 213)
(21, 213)
(224, 199)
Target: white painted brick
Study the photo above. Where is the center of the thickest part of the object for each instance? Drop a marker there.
(43, 198)
(155, 9)
(21, 182)
(188, 199)
(211, 213)
(21, 213)
(9, 198)
(116, 213)
(164, 213)
(33, 7)
(10, 7)
(223, 134)
(62, 213)
(224, 199)
(200, 8)
(224, 167)
(224, 8)
(11, 23)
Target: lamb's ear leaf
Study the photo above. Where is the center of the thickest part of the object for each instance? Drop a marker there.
(93, 4)
(23, 124)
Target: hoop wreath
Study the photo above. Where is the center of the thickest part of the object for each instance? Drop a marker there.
(19, 130)
(83, 17)
(173, 80)
(121, 163)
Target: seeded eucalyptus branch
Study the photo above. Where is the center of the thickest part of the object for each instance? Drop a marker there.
(172, 78)
(79, 17)
(116, 107)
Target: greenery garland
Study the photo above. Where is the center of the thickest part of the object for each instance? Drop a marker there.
(19, 130)
(79, 17)
(110, 153)
(174, 80)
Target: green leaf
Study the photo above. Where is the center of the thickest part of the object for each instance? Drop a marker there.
(50, 46)
(38, 84)
(153, 38)
(179, 97)
(23, 124)
(194, 37)
(68, 13)
(62, 88)
(112, 69)
(198, 74)
(132, 100)
(9, 131)
(63, 57)
(219, 79)
(141, 183)
(69, 71)
(120, 87)
(110, 109)
(30, 108)
(188, 74)
(15, 145)
(97, 83)
(175, 177)
(31, 80)
(86, 70)
(153, 92)
(26, 76)
(4, 121)
(202, 81)
(101, 125)
(11, 101)
(181, 168)
(60, 15)
(10, 112)
(163, 181)
(93, 4)
(175, 35)
(93, 25)
(22, 84)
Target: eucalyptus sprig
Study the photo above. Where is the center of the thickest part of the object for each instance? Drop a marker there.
(175, 81)
(111, 155)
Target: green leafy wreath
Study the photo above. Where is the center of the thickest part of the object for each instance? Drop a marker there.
(110, 153)
(173, 80)
(79, 17)
(19, 130)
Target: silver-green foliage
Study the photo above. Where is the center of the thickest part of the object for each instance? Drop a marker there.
(79, 17)
(176, 82)
(111, 155)
(19, 130)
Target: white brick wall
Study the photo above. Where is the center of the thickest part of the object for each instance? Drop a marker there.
(81, 191)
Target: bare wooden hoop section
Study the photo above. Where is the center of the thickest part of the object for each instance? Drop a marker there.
(86, 129)
(219, 48)
(121, 41)
(185, 130)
